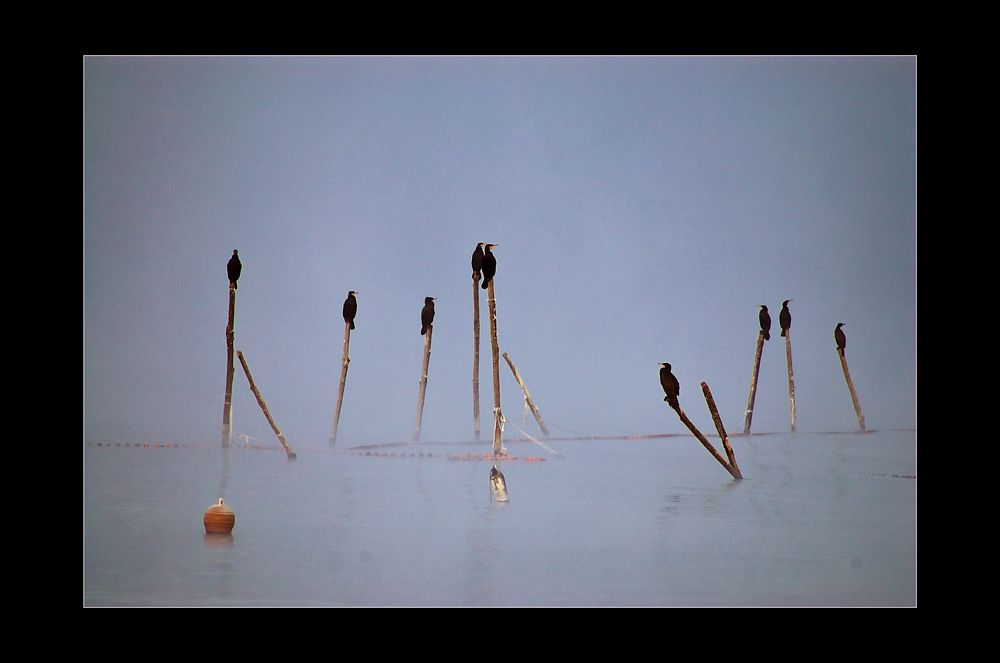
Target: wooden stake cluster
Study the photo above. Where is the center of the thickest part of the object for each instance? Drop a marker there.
(227, 408)
(733, 469)
(263, 406)
(854, 394)
(527, 396)
(345, 360)
(753, 383)
(423, 381)
(497, 433)
(791, 375)
(475, 352)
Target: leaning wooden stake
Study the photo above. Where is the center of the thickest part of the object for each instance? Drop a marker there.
(227, 408)
(791, 375)
(527, 396)
(705, 443)
(854, 394)
(423, 381)
(714, 411)
(263, 406)
(753, 383)
(497, 416)
(475, 352)
(344, 361)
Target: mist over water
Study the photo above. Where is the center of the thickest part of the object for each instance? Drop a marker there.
(819, 520)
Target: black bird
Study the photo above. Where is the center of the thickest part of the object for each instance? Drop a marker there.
(489, 265)
(234, 267)
(765, 322)
(785, 317)
(350, 308)
(477, 260)
(671, 387)
(838, 335)
(427, 315)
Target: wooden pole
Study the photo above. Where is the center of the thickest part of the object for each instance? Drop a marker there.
(714, 411)
(527, 396)
(497, 433)
(423, 380)
(263, 406)
(475, 352)
(791, 375)
(705, 443)
(344, 361)
(753, 382)
(850, 386)
(227, 408)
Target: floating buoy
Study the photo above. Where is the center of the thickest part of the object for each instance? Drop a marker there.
(219, 518)
(498, 485)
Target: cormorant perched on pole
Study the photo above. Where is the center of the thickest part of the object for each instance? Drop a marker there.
(477, 260)
(838, 335)
(350, 307)
(765, 322)
(234, 267)
(427, 315)
(785, 317)
(489, 265)
(671, 387)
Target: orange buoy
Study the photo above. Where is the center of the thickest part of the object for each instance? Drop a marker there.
(219, 518)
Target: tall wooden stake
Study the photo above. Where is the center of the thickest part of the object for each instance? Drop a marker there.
(734, 468)
(854, 394)
(475, 352)
(791, 375)
(263, 406)
(345, 360)
(497, 433)
(753, 383)
(527, 396)
(227, 408)
(423, 380)
(705, 443)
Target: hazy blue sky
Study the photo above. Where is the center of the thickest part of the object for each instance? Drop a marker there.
(644, 208)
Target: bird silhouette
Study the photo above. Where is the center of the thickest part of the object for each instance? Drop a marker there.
(427, 315)
(765, 322)
(234, 268)
(785, 317)
(350, 307)
(671, 387)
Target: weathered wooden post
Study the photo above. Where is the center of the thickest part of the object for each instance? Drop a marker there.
(753, 383)
(345, 360)
(497, 430)
(227, 408)
(704, 442)
(733, 468)
(263, 406)
(527, 396)
(791, 375)
(850, 386)
(423, 381)
(475, 352)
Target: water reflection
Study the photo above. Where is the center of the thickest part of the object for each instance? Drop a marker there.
(218, 540)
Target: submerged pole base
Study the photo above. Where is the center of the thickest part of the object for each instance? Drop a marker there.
(498, 485)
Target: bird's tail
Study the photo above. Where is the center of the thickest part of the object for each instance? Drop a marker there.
(783, 332)
(352, 324)
(672, 401)
(233, 283)
(423, 330)
(486, 283)
(767, 336)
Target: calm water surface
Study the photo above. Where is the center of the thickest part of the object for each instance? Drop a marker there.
(819, 520)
